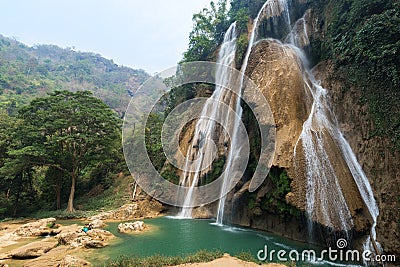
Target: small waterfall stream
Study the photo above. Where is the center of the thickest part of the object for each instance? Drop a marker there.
(202, 146)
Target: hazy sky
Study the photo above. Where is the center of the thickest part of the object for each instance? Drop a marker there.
(146, 34)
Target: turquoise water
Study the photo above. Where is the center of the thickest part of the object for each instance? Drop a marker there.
(173, 237)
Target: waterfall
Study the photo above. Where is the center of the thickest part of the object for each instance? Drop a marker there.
(298, 36)
(202, 146)
(364, 188)
(270, 9)
(325, 201)
(322, 184)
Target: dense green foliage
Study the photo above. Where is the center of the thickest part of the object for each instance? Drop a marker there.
(153, 139)
(27, 72)
(363, 40)
(278, 184)
(208, 32)
(211, 24)
(55, 142)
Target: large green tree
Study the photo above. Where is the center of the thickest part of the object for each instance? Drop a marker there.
(70, 132)
(208, 31)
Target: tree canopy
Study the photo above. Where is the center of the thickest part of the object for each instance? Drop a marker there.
(209, 27)
(65, 131)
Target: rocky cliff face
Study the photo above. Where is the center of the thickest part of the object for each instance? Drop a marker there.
(278, 76)
(276, 71)
(379, 160)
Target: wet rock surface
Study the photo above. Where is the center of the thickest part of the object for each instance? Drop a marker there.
(379, 161)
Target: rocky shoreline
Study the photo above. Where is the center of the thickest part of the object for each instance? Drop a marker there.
(44, 242)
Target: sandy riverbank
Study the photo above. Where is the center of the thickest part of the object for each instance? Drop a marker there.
(229, 261)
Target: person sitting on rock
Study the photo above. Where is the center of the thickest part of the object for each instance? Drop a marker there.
(85, 228)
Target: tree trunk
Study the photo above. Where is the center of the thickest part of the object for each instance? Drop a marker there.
(19, 178)
(70, 207)
(58, 193)
(15, 207)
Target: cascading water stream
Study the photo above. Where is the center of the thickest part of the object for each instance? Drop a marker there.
(320, 172)
(365, 190)
(201, 146)
(270, 9)
(322, 180)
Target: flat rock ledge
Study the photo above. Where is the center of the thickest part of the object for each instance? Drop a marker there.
(34, 249)
(141, 209)
(42, 227)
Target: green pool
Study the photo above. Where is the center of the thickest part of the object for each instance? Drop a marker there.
(172, 237)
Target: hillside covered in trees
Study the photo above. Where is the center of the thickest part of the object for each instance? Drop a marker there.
(27, 72)
(60, 125)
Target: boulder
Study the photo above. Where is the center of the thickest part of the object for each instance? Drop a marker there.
(33, 250)
(97, 224)
(131, 227)
(99, 234)
(75, 237)
(2, 264)
(42, 227)
(69, 261)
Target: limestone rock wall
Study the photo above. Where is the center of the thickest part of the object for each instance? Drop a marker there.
(380, 162)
